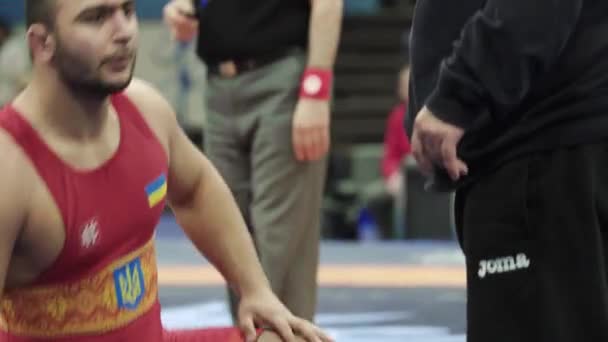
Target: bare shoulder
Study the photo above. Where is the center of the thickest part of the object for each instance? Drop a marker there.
(153, 106)
(146, 96)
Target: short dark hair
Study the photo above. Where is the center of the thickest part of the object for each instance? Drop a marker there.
(40, 11)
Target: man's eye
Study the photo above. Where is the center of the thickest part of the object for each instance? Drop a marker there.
(129, 10)
(97, 16)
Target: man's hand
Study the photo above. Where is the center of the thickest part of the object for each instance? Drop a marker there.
(179, 16)
(265, 309)
(434, 142)
(311, 129)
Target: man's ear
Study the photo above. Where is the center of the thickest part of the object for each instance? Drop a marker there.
(41, 42)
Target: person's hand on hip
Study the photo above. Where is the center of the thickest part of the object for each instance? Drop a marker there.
(310, 132)
(434, 142)
(180, 17)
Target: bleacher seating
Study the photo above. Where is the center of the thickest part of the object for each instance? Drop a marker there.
(370, 55)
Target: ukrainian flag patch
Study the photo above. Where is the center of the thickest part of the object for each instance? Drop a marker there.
(156, 190)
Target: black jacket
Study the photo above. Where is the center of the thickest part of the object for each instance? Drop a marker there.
(518, 75)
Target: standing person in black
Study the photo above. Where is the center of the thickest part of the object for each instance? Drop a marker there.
(267, 126)
(511, 99)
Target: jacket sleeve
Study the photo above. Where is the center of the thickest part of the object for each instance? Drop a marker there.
(502, 50)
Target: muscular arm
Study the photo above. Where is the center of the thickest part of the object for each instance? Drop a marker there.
(202, 203)
(12, 202)
(207, 212)
(324, 32)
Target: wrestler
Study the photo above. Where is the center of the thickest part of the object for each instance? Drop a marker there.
(90, 158)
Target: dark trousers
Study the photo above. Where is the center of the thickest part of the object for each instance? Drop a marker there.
(534, 233)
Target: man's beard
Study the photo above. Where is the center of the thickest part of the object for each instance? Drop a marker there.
(84, 79)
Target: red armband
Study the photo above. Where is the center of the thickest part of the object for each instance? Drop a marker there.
(316, 83)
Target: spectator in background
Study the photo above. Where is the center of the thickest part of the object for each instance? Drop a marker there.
(396, 142)
(14, 62)
(270, 74)
(386, 199)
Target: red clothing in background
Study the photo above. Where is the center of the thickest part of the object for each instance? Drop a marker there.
(396, 143)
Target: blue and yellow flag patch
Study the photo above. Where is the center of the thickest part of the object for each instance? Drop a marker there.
(157, 190)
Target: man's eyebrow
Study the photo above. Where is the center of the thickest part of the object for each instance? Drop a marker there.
(104, 8)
